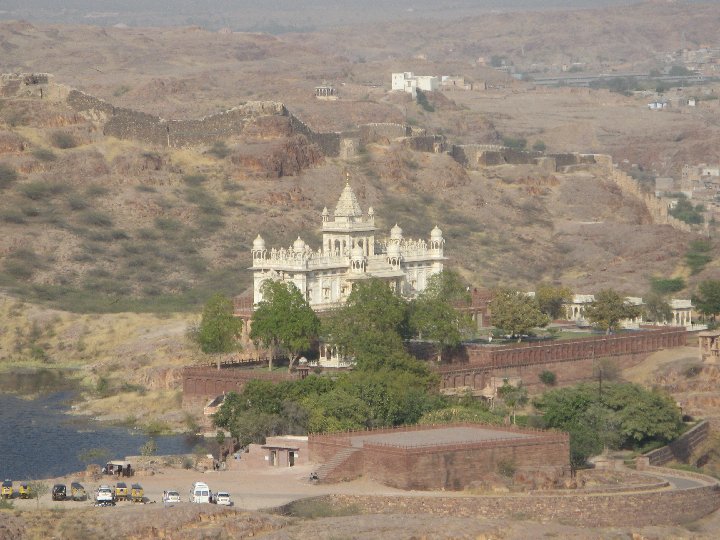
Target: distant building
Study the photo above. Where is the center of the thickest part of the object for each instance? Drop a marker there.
(410, 83)
(326, 92)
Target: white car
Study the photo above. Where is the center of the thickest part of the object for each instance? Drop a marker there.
(223, 498)
(104, 495)
(171, 497)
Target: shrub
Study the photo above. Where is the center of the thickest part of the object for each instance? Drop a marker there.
(219, 149)
(96, 191)
(30, 211)
(142, 188)
(194, 179)
(539, 146)
(12, 216)
(516, 143)
(120, 90)
(97, 219)
(232, 186)
(76, 202)
(548, 378)
(8, 175)
(422, 100)
(506, 468)
(666, 286)
(63, 140)
(40, 190)
(44, 154)
(168, 224)
(18, 269)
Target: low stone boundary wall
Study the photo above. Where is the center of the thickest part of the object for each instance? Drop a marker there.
(589, 510)
(681, 448)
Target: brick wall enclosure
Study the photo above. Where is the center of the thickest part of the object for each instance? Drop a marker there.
(613, 510)
(432, 463)
(681, 448)
(571, 360)
(201, 384)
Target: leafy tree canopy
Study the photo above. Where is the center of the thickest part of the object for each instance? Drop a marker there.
(516, 313)
(434, 315)
(371, 324)
(218, 328)
(550, 299)
(707, 299)
(657, 309)
(284, 319)
(667, 285)
(608, 309)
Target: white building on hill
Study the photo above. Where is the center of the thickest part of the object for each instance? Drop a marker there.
(407, 82)
(350, 252)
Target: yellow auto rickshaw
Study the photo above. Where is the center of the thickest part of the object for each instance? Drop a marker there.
(6, 491)
(137, 494)
(121, 491)
(24, 491)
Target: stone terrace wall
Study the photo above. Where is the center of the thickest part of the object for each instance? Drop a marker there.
(681, 448)
(571, 360)
(382, 133)
(200, 384)
(441, 466)
(616, 510)
(457, 466)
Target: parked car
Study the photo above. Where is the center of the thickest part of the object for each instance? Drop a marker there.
(104, 496)
(24, 491)
(77, 492)
(171, 497)
(59, 492)
(121, 491)
(200, 493)
(6, 491)
(223, 498)
(137, 493)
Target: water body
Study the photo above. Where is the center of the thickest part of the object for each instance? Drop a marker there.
(39, 440)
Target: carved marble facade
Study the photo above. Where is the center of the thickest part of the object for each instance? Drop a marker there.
(350, 252)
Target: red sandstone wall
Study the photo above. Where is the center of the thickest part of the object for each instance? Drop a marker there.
(619, 510)
(456, 467)
(201, 384)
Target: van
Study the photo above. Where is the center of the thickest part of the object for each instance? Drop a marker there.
(200, 493)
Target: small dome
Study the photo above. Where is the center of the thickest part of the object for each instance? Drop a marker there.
(436, 233)
(371, 211)
(393, 250)
(357, 252)
(258, 243)
(299, 245)
(396, 233)
(325, 212)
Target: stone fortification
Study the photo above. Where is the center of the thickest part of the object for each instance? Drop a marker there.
(473, 366)
(382, 133)
(661, 507)
(681, 449)
(201, 384)
(450, 456)
(657, 209)
(477, 156)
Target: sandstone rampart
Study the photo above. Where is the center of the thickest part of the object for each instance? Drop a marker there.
(681, 449)
(668, 507)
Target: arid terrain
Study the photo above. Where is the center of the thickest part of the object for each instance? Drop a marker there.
(109, 247)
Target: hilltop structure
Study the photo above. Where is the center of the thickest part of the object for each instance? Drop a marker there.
(350, 252)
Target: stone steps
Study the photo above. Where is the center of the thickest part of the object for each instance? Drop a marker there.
(334, 462)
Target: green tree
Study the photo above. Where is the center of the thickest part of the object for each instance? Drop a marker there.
(38, 489)
(284, 319)
(698, 255)
(8, 175)
(371, 325)
(516, 313)
(608, 309)
(657, 309)
(667, 285)
(551, 299)
(219, 328)
(707, 299)
(149, 448)
(434, 315)
(513, 396)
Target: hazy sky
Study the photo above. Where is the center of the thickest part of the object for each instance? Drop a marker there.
(263, 15)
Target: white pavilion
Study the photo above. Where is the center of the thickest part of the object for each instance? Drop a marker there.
(350, 252)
